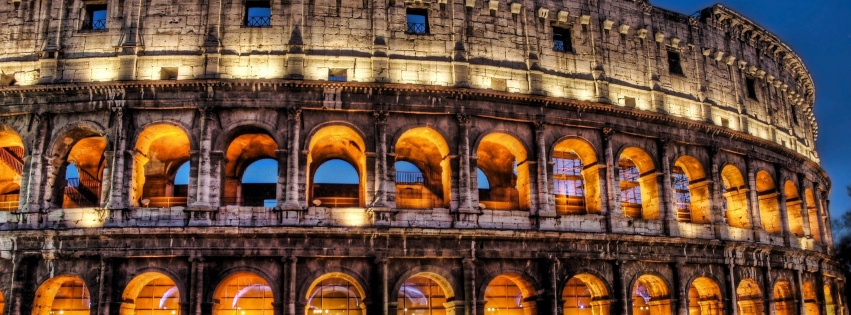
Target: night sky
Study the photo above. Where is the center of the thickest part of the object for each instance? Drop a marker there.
(818, 31)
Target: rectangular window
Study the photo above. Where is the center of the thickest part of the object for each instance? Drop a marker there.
(338, 75)
(629, 102)
(751, 84)
(168, 73)
(562, 40)
(674, 66)
(258, 14)
(725, 123)
(417, 21)
(95, 19)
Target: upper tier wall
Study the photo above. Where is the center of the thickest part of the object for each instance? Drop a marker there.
(734, 73)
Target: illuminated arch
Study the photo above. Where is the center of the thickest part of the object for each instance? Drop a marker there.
(150, 293)
(337, 142)
(160, 150)
(335, 293)
(424, 293)
(249, 145)
(830, 305)
(11, 168)
(769, 212)
(650, 296)
(749, 298)
(735, 197)
(510, 294)
(784, 298)
(812, 215)
(585, 294)
(426, 149)
(503, 159)
(84, 148)
(243, 292)
(67, 294)
(794, 212)
(691, 191)
(811, 305)
(576, 177)
(704, 297)
(639, 192)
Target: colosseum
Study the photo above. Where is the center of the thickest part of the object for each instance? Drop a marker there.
(407, 157)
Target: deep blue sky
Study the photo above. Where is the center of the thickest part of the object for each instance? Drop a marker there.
(818, 31)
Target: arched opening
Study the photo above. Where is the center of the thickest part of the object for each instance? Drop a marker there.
(251, 146)
(66, 295)
(243, 293)
(422, 169)
(585, 294)
(335, 294)
(423, 294)
(704, 297)
(812, 214)
(749, 298)
(83, 170)
(794, 212)
(769, 212)
(691, 191)
(502, 158)
(639, 193)
(510, 295)
(650, 296)
(735, 198)
(11, 168)
(810, 300)
(830, 305)
(258, 184)
(784, 299)
(151, 293)
(576, 177)
(336, 149)
(336, 184)
(160, 151)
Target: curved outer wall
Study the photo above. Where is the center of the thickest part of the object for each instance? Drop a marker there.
(482, 87)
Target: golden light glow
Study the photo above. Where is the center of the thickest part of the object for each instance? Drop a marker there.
(243, 293)
(64, 295)
(150, 293)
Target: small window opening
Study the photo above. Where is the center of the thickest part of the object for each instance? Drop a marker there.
(561, 40)
(751, 83)
(338, 75)
(417, 21)
(628, 175)
(629, 102)
(258, 14)
(795, 116)
(674, 65)
(95, 19)
(725, 123)
(682, 195)
(168, 73)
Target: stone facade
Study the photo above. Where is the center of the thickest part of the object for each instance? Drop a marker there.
(638, 161)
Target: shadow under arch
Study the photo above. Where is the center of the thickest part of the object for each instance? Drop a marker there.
(769, 206)
(151, 292)
(705, 297)
(504, 160)
(735, 197)
(159, 146)
(82, 144)
(749, 297)
(426, 149)
(691, 191)
(638, 184)
(67, 293)
(12, 153)
(336, 141)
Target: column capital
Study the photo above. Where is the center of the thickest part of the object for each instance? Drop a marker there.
(608, 132)
(463, 118)
(293, 113)
(380, 117)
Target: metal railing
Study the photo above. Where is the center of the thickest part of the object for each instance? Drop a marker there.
(9, 202)
(165, 202)
(258, 21)
(94, 25)
(8, 156)
(409, 177)
(339, 201)
(558, 45)
(417, 28)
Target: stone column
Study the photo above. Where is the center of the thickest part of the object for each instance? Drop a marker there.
(545, 207)
(609, 177)
(203, 178)
(805, 213)
(732, 308)
(469, 269)
(291, 286)
(768, 305)
(822, 229)
(117, 198)
(381, 181)
(382, 263)
(622, 290)
(680, 288)
(753, 199)
(718, 217)
(105, 290)
(281, 184)
(291, 201)
(788, 237)
(32, 179)
(196, 288)
(192, 190)
(667, 207)
(802, 305)
(465, 197)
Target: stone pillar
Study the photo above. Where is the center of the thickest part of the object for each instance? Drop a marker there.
(622, 290)
(802, 305)
(732, 308)
(192, 190)
(291, 286)
(281, 184)
(382, 263)
(680, 300)
(32, 179)
(545, 207)
(753, 200)
(105, 290)
(203, 178)
(469, 269)
(465, 192)
(609, 177)
(718, 217)
(380, 202)
(768, 305)
(667, 207)
(805, 213)
(822, 230)
(217, 160)
(788, 237)
(117, 194)
(554, 298)
(196, 288)
(291, 201)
